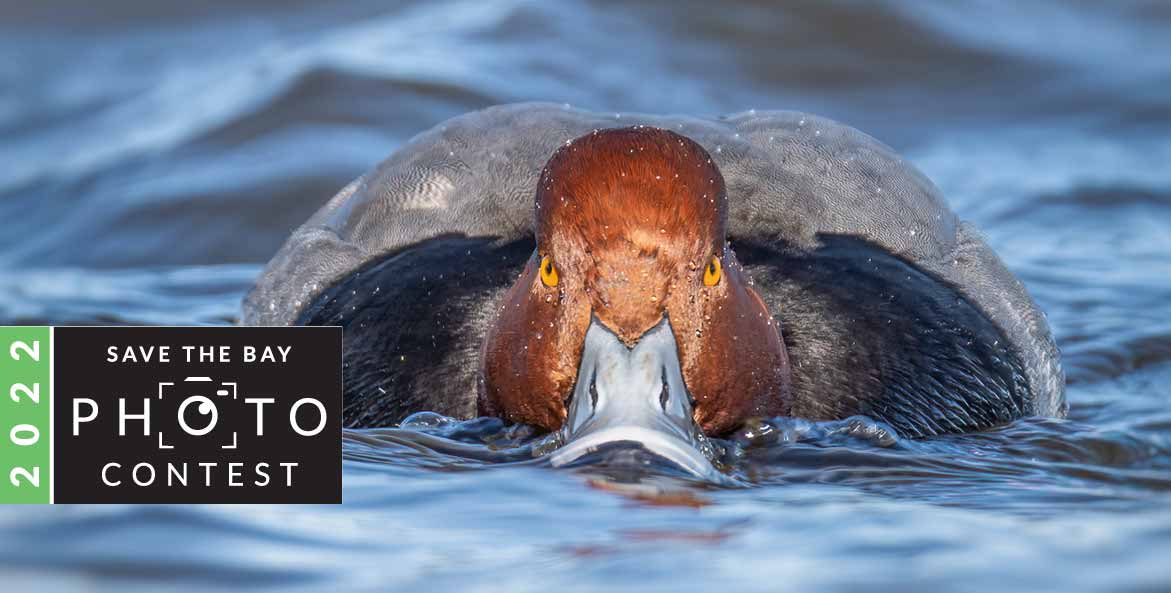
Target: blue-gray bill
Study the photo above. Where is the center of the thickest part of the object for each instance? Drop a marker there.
(634, 397)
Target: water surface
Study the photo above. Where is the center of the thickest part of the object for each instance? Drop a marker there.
(155, 155)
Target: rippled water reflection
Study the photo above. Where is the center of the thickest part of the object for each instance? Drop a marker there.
(156, 154)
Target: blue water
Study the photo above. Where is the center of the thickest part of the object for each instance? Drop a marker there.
(155, 155)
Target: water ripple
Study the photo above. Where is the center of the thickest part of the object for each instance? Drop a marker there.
(156, 154)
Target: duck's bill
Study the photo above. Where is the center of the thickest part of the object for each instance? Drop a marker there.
(633, 398)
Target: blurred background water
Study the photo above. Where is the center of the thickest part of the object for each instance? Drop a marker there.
(153, 155)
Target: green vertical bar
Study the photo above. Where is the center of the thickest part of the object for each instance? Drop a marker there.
(25, 452)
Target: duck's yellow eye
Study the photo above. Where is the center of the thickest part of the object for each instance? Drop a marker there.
(712, 273)
(548, 271)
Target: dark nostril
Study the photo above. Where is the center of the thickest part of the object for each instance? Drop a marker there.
(594, 391)
(665, 395)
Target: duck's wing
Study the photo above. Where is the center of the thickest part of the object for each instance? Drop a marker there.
(796, 184)
(868, 333)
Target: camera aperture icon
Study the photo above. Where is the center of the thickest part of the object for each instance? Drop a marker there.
(203, 406)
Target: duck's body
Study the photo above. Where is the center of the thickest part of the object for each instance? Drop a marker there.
(890, 306)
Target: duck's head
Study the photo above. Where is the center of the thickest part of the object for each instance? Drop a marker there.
(632, 320)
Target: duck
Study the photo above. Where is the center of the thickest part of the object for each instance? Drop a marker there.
(661, 280)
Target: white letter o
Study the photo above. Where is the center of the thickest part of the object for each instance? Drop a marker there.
(293, 417)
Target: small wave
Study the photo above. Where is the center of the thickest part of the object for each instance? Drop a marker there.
(856, 430)
(1027, 465)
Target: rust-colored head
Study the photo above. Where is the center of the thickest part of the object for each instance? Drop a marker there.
(631, 227)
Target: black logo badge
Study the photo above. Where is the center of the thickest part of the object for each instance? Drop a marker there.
(197, 414)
